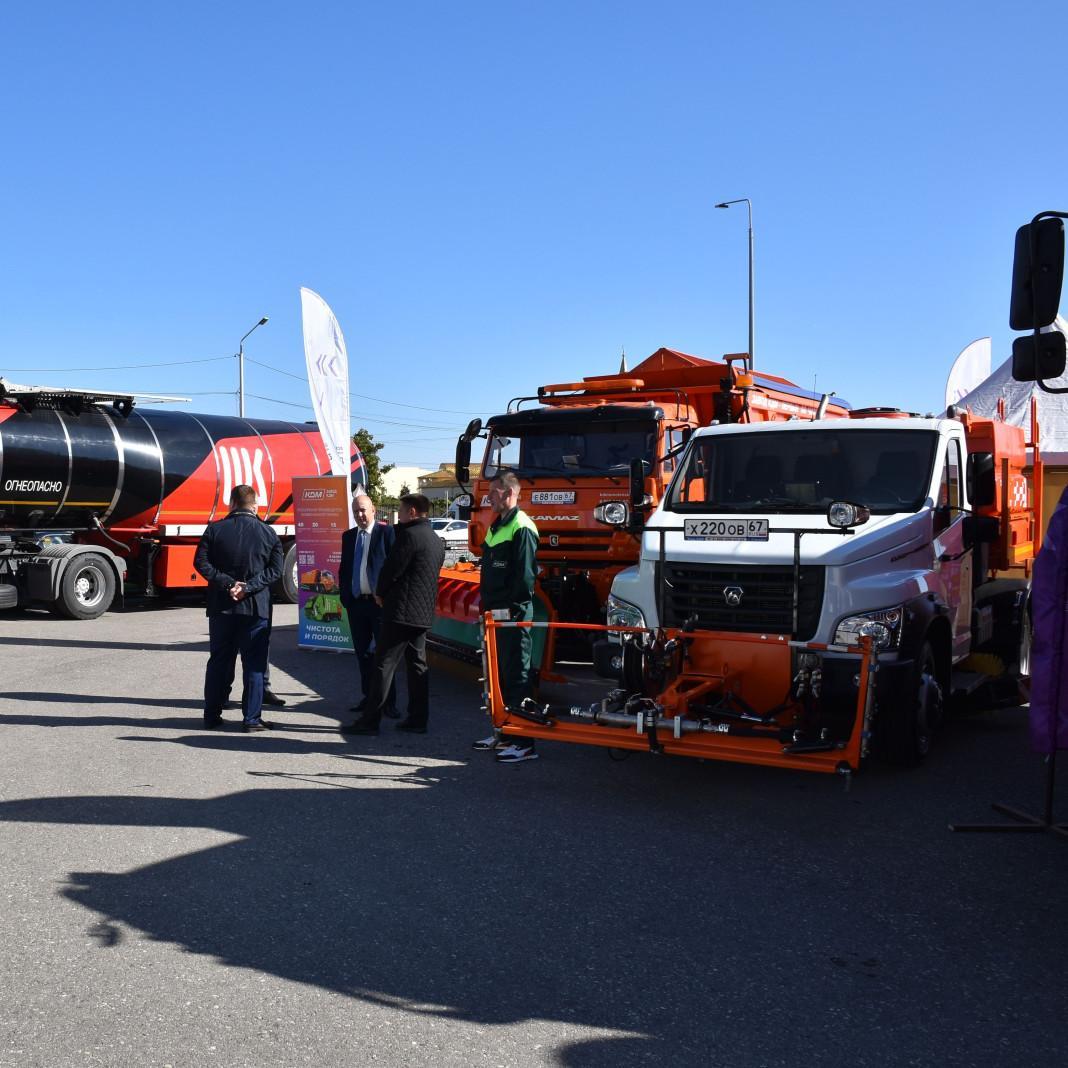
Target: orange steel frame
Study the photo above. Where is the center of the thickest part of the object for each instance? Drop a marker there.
(713, 653)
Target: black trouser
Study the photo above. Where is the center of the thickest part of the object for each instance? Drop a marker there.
(365, 625)
(229, 635)
(266, 670)
(513, 666)
(397, 640)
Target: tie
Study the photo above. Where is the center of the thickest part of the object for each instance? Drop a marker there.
(357, 564)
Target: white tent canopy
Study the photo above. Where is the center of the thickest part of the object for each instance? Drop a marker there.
(1052, 407)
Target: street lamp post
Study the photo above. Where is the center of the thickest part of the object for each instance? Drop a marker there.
(241, 370)
(749, 204)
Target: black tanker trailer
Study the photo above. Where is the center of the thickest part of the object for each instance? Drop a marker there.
(97, 494)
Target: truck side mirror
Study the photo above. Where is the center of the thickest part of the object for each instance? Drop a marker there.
(474, 428)
(463, 460)
(982, 491)
(1038, 358)
(1036, 281)
(637, 482)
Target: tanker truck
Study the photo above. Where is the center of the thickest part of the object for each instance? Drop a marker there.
(98, 496)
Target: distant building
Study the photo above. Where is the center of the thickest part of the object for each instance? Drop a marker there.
(440, 485)
(393, 481)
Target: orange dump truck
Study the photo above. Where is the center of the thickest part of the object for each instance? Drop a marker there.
(575, 447)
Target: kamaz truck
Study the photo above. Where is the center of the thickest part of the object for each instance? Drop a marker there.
(574, 445)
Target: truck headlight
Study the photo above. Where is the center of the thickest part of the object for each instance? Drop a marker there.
(614, 513)
(883, 627)
(620, 613)
(844, 514)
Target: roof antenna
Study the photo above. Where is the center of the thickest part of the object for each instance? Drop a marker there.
(623, 361)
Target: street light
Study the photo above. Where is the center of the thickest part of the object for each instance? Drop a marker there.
(241, 370)
(749, 204)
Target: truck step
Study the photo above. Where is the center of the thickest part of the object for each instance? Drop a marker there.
(965, 683)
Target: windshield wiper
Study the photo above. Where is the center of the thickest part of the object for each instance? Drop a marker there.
(788, 504)
(596, 471)
(524, 472)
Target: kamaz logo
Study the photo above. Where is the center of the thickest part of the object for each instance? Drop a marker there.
(240, 466)
(555, 518)
(732, 595)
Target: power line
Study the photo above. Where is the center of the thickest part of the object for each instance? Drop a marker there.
(120, 367)
(354, 416)
(362, 396)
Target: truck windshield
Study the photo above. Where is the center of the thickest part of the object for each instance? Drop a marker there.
(575, 451)
(805, 470)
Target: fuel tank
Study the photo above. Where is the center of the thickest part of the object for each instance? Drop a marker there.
(148, 469)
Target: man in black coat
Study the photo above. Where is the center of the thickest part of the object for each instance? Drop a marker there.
(240, 556)
(408, 592)
(363, 552)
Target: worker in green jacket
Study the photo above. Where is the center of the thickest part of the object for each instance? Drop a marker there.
(506, 584)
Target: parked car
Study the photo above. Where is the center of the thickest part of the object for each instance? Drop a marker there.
(451, 531)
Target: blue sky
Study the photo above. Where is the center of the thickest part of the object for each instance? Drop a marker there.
(496, 195)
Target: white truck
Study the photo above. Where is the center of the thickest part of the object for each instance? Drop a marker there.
(810, 590)
(938, 535)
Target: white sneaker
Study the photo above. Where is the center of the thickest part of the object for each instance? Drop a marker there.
(484, 745)
(513, 754)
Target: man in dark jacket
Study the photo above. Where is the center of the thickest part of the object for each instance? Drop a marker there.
(240, 556)
(506, 588)
(363, 552)
(407, 590)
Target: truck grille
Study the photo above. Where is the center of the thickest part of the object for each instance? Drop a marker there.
(570, 541)
(765, 605)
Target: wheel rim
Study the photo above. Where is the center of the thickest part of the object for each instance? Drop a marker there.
(89, 587)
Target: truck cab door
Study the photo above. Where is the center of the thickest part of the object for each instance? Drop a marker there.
(952, 552)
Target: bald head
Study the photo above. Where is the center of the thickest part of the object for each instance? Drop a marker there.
(363, 510)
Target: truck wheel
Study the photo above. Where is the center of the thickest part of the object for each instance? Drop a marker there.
(904, 733)
(285, 590)
(87, 587)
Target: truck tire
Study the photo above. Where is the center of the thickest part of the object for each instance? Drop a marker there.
(903, 733)
(285, 590)
(86, 588)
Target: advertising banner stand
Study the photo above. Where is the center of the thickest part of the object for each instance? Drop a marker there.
(321, 515)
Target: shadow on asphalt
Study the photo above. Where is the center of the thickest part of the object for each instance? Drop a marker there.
(705, 914)
(728, 915)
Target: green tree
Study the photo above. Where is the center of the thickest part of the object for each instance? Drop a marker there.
(369, 450)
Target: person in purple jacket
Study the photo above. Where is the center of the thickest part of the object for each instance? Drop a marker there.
(1049, 656)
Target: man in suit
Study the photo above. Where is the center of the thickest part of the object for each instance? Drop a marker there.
(407, 589)
(240, 556)
(363, 552)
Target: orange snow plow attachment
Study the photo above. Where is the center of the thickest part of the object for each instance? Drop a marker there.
(746, 698)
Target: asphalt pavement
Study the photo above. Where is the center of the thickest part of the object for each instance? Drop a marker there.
(178, 897)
